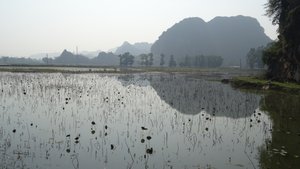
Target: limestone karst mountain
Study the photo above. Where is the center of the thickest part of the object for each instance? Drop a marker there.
(229, 37)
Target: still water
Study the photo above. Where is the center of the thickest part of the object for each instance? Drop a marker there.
(89, 121)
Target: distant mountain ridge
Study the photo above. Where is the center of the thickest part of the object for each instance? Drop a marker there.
(106, 59)
(68, 58)
(89, 54)
(135, 49)
(229, 37)
(41, 55)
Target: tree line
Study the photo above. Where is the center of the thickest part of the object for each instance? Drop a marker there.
(202, 61)
(254, 58)
(5, 60)
(123, 60)
(147, 60)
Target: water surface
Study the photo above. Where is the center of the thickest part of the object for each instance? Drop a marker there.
(133, 121)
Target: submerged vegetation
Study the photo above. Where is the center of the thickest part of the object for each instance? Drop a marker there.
(222, 72)
(157, 110)
(147, 120)
(127, 121)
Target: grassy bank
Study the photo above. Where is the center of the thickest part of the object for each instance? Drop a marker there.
(248, 82)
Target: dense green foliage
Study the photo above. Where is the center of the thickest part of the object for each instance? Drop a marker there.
(283, 57)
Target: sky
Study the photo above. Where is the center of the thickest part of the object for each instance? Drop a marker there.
(46, 26)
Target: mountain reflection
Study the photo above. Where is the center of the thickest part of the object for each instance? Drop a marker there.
(83, 121)
(192, 96)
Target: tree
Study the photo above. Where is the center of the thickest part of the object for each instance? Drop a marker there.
(172, 62)
(162, 59)
(207, 61)
(150, 63)
(144, 59)
(254, 58)
(5, 59)
(251, 58)
(199, 61)
(283, 57)
(187, 61)
(126, 59)
(47, 60)
(213, 61)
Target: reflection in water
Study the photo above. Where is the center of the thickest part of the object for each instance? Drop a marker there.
(97, 121)
(283, 151)
(190, 96)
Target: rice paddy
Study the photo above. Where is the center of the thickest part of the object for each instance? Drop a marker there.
(61, 120)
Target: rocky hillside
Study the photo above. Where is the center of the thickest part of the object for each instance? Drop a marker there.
(229, 37)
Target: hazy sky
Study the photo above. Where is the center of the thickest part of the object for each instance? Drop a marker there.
(40, 26)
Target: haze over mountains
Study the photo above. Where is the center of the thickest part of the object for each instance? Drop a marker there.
(89, 54)
(68, 58)
(135, 49)
(229, 37)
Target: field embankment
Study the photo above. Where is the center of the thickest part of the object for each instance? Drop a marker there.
(249, 82)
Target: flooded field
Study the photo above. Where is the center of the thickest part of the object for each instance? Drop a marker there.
(88, 121)
(49, 69)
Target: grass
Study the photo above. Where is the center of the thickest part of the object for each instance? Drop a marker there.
(264, 84)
